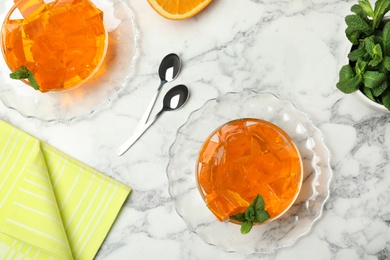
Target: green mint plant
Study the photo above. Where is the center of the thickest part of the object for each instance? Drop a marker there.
(24, 73)
(369, 60)
(255, 213)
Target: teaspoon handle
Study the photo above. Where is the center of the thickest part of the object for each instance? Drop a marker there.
(149, 109)
(137, 134)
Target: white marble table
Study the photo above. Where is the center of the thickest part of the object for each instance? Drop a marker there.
(292, 49)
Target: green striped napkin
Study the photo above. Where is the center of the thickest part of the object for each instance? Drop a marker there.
(51, 206)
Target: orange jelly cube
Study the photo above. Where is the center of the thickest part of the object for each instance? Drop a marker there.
(226, 203)
(30, 8)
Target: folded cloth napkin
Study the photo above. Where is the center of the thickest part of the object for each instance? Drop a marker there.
(51, 206)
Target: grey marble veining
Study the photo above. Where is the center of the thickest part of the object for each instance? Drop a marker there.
(293, 49)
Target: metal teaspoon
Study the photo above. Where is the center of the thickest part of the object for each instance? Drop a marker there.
(174, 99)
(169, 69)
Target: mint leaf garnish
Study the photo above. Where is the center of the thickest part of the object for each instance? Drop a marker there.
(250, 214)
(33, 81)
(261, 216)
(258, 203)
(255, 213)
(239, 217)
(20, 74)
(24, 73)
(246, 227)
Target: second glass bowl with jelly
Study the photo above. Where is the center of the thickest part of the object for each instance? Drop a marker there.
(245, 158)
(237, 146)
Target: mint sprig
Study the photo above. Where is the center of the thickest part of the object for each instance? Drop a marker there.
(24, 73)
(255, 213)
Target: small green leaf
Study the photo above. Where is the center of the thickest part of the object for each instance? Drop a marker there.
(380, 9)
(358, 10)
(374, 50)
(373, 79)
(386, 99)
(33, 81)
(386, 39)
(353, 36)
(356, 26)
(19, 74)
(258, 203)
(357, 54)
(377, 91)
(240, 217)
(367, 8)
(386, 63)
(349, 86)
(24, 73)
(250, 214)
(368, 93)
(377, 56)
(349, 82)
(261, 216)
(369, 43)
(246, 227)
(346, 72)
(360, 68)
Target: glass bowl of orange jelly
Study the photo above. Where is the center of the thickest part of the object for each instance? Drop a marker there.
(62, 42)
(244, 158)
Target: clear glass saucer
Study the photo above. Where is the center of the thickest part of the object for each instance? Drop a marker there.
(269, 237)
(96, 94)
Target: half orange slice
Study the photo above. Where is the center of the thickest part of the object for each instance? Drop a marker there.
(178, 9)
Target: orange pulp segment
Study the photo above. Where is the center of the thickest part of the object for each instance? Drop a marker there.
(62, 43)
(178, 9)
(244, 158)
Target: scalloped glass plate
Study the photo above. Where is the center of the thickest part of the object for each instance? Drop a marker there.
(271, 236)
(99, 91)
